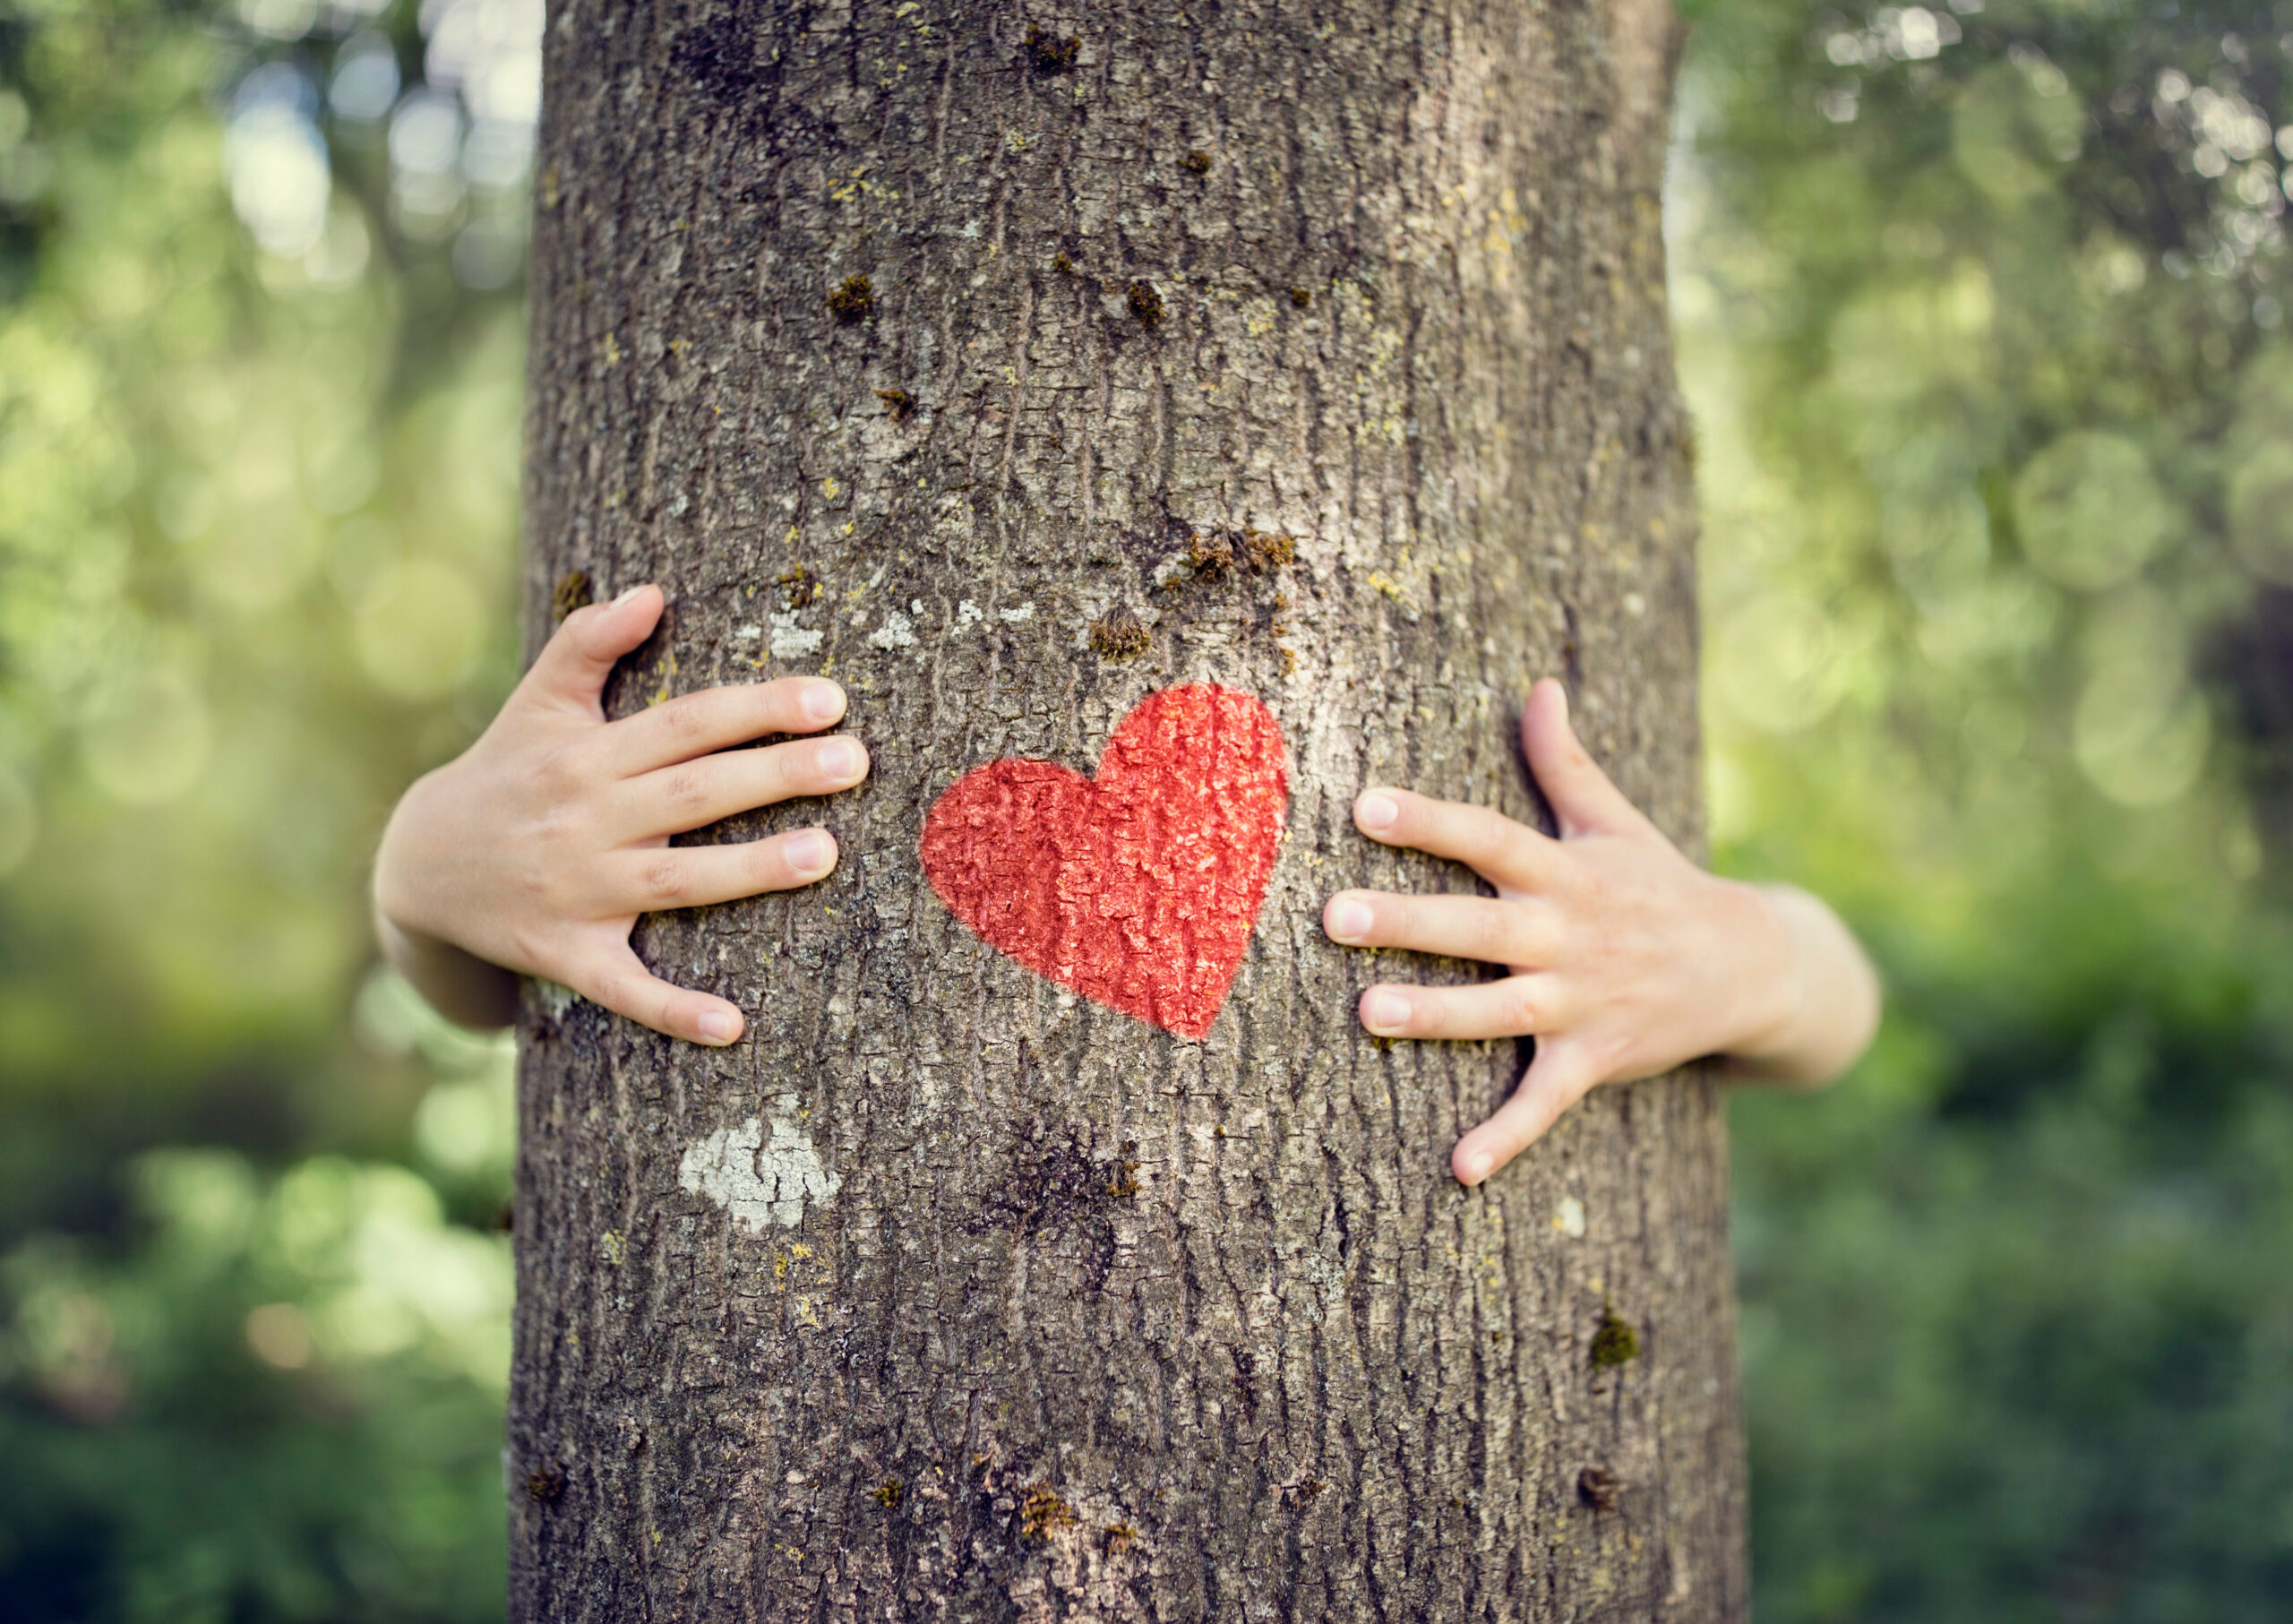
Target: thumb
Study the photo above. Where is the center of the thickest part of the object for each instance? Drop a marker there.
(573, 664)
(1580, 794)
(1560, 1076)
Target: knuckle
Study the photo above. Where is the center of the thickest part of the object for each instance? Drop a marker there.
(560, 825)
(682, 718)
(665, 882)
(685, 788)
(574, 630)
(535, 948)
(601, 984)
(540, 892)
(1520, 1005)
(1492, 935)
(560, 775)
(1492, 831)
(790, 769)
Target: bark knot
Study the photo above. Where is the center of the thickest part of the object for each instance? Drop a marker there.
(1050, 53)
(1043, 1514)
(1599, 1488)
(1616, 1341)
(854, 300)
(573, 592)
(1120, 635)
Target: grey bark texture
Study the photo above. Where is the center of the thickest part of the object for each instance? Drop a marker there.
(946, 1295)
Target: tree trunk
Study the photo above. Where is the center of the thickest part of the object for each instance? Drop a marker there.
(1012, 368)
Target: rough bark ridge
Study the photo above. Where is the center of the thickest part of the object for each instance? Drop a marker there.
(1010, 366)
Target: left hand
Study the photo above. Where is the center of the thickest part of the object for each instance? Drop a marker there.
(1625, 959)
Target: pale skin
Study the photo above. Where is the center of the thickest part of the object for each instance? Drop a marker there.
(1623, 958)
(536, 851)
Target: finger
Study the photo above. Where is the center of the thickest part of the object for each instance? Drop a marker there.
(1580, 794)
(1515, 1006)
(716, 718)
(695, 794)
(573, 664)
(619, 980)
(697, 876)
(1558, 1077)
(1483, 838)
(1515, 932)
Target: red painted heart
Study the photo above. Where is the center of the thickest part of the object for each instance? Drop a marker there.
(1137, 887)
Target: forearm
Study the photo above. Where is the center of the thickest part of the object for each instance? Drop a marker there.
(460, 985)
(1833, 1008)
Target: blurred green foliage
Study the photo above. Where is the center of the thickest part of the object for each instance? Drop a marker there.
(1982, 313)
(1981, 309)
(259, 412)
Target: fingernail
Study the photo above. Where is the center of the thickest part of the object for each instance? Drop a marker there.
(1349, 919)
(1385, 1013)
(821, 701)
(719, 1027)
(810, 853)
(1477, 1166)
(627, 596)
(1374, 810)
(841, 759)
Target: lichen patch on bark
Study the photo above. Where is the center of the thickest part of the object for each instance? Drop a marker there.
(762, 1172)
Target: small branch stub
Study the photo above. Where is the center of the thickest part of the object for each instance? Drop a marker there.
(1052, 53)
(854, 301)
(1616, 1341)
(1145, 304)
(1210, 553)
(899, 406)
(574, 592)
(1043, 1514)
(1197, 163)
(802, 586)
(1120, 635)
(1599, 1488)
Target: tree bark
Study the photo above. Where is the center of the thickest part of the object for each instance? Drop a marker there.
(948, 1293)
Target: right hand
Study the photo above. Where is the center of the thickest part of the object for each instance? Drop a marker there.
(536, 850)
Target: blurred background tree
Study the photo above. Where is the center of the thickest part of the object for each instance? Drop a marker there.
(1982, 311)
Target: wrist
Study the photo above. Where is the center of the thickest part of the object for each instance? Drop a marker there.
(467, 990)
(1771, 998)
(461, 986)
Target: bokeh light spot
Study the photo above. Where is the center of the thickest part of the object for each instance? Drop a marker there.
(147, 738)
(417, 634)
(2089, 511)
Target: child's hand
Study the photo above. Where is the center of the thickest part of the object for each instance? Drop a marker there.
(536, 851)
(1626, 959)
